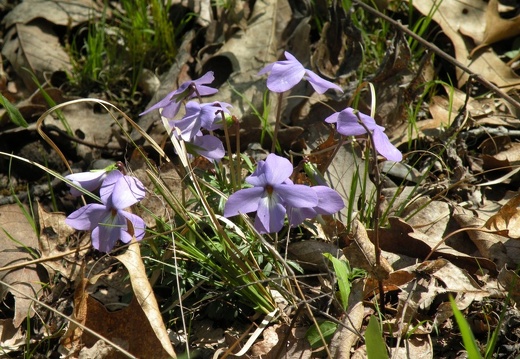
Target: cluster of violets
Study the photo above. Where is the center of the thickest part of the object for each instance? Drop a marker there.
(272, 195)
(198, 117)
(108, 221)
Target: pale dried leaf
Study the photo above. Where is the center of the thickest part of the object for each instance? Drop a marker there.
(497, 28)
(54, 245)
(345, 337)
(361, 254)
(35, 47)
(452, 16)
(309, 254)
(243, 55)
(507, 218)
(143, 292)
(63, 13)
(11, 337)
(415, 347)
(16, 238)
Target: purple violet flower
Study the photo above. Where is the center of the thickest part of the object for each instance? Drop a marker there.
(172, 102)
(271, 194)
(286, 74)
(108, 221)
(206, 146)
(198, 116)
(329, 202)
(89, 181)
(347, 124)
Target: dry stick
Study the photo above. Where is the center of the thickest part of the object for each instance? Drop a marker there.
(441, 53)
(277, 123)
(377, 180)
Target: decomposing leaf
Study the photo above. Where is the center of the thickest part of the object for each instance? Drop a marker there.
(345, 337)
(25, 51)
(129, 328)
(11, 337)
(309, 254)
(507, 156)
(63, 257)
(421, 283)
(18, 243)
(497, 28)
(361, 254)
(452, 16)
(290, 343)
(416, 346)
(63, 13)
(401, 238)
(507, 218)
(144, 295)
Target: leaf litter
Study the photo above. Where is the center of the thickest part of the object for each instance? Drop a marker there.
(452, 230)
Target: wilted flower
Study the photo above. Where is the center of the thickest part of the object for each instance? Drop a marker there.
(109, 221)
(286, 74)
(172, 102)
(347, 124)
(271, 194)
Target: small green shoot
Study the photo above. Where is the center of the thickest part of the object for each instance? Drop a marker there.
(344, 275)
(14, 114)
(376, 346)
(327, 329)
(467, 335)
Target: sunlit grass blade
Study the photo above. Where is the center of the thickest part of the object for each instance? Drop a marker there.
(13, 112)
(467, 335)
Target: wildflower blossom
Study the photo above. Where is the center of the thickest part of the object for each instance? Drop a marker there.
(329, 202)
(200, 116)
(89, 181)
(286, 74)
(108, 221)
(171, 104)
(207, 146)
(270, 195)
(347, 124)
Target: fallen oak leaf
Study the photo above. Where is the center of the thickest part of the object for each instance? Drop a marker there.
(497, 28)
(18, 243)
(507, 218)
(144, 295)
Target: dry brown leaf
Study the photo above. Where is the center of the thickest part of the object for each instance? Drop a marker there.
(489, 245)
(422, 283)
(508, 155)
(345, 337)
(309, 254)
(361, 254)
(17, 238)
(290, 343)
(11, 338)
(53, 242)
(452, 16)
(401, 238)
(71, 340)
(144, 295)
(497, 28)
(23, 48)
(416, 347)
(64, 13)
(510, 281)
(127, 327)
(507, 218)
